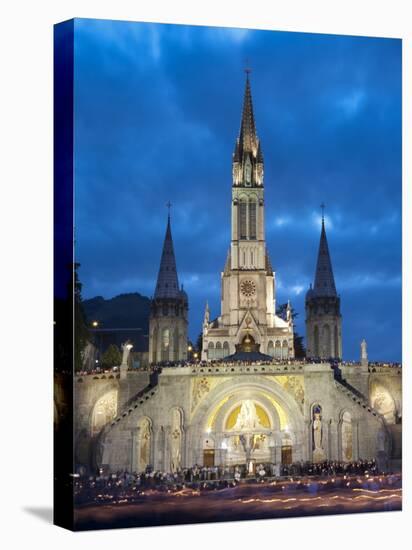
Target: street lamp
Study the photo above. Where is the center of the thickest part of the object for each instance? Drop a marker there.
(95, 324)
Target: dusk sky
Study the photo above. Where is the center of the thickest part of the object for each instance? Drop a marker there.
(157, 112)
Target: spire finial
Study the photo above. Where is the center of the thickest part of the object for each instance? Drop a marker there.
(169, 205)
(323, 212)
(247, 69)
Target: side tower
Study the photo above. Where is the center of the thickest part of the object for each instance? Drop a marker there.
(247, 319)
(168, 310)
(323, 317)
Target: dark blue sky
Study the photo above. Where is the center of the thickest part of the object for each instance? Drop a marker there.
(157, 111)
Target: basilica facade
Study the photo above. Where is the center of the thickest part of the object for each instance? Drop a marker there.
(249, 400)
(248, 317)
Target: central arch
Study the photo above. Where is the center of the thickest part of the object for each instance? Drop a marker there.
(280, 419)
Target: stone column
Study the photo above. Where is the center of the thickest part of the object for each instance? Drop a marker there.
(308, 439)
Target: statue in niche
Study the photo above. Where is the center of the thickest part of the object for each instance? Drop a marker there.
(176, 442)
(317, 431)
(145, 440)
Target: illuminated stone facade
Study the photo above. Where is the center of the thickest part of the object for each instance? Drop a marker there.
(248, 292)
(246, 412)
(230, 413)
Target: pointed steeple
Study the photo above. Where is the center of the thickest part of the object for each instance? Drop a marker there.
(324, 279)
(247, 156)
(247, 136)
(167, 281)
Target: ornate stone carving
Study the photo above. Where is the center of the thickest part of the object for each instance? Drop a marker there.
(201, 387)
(293, 385)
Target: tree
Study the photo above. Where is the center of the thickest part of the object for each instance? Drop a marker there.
(112, 357)
(81, 332)
(299, 348)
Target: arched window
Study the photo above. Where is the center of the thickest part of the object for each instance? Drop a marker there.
(154, 345)
(327, 352)
(219, 350)
(210, 351)
(285, 350)
(316, 341)
(225, 349)
(165, 344)
(252, 219)
(271, 349)
(278, 350)
(176, 344)
(242, 219)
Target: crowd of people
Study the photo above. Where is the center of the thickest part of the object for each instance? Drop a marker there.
(198, 364)
(116, 485)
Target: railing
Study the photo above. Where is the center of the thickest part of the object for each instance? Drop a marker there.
(355, 396)
(137, 400)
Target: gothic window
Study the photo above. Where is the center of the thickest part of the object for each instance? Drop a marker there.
(252, 219)
(278, 350)
(165, 344)
(225, 349)
(210, 351)
(242, 220)
(327, 352)
(271, 349)
(316, 341)
(219, 350)
(176, 344)
(248, 171)
(154, 345)
(285, 351)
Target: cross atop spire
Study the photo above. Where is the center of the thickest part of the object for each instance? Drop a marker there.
(323, 212)
(324, 279)
(167, 281)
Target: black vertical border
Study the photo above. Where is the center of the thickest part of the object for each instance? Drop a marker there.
(63, 172)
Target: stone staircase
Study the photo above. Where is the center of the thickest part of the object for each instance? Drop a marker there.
(356, 396)
(135, 402)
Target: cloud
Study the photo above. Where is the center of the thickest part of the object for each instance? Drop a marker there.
(156, 116)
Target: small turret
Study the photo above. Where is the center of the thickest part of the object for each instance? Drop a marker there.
(322, 304)
(168, 309)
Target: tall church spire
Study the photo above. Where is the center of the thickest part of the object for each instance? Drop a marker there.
(324, 279)
(167, 281)
(247, 156)
(247, 136)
